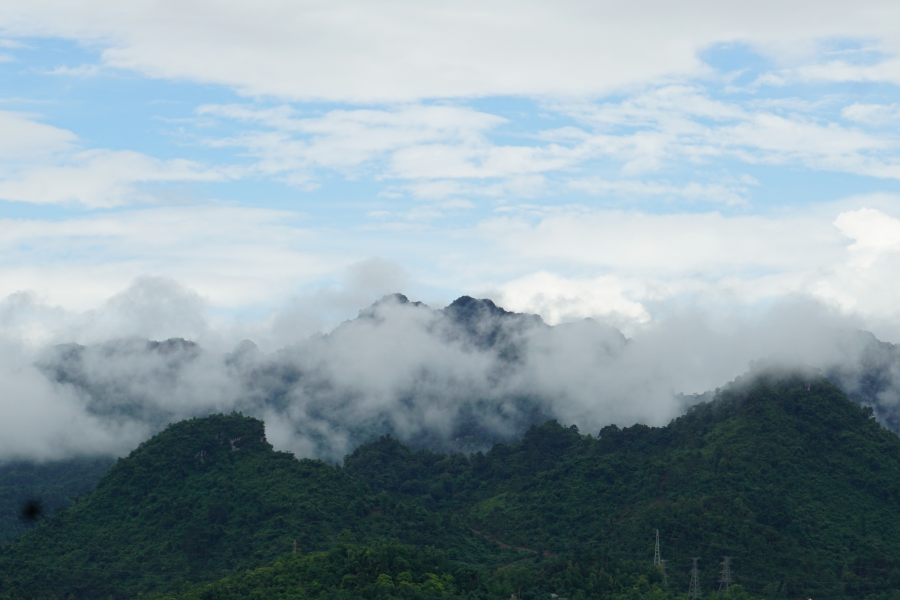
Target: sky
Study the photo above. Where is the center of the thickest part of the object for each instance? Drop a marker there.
(718, 181)
(572, 159)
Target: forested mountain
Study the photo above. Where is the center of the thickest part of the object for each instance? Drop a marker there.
(202, 498)
(783, 473)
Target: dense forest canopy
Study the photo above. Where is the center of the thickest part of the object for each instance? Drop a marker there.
(31, 491)
(783, 473)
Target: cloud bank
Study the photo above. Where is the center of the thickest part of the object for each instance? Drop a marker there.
(457, 378)
(403, 50)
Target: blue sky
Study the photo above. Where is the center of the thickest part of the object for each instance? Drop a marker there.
(570, 159)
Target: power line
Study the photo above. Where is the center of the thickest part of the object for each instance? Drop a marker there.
(656, 558)
(725, 581)
(835, 561)
(694, 590)
(665, 577)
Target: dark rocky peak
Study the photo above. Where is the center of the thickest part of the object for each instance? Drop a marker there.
(390, 300)
(70, 363)
(872, 380)
(245, 352)
(62, 360)
(173, 346)
(465, 308)
(484, 323)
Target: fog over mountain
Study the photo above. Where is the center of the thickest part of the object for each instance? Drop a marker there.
(460, 377)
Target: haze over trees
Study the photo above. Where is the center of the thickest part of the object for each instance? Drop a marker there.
(456, 379)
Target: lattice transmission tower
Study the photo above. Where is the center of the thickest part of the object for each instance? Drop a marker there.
(694, 590)
(656, 557)
(725, 581)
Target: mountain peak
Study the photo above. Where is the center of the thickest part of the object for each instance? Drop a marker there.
(204, 439)
(395, 299)
(468, 304)
(486, 324)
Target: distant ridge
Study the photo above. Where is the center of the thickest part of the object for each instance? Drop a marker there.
(489, 372)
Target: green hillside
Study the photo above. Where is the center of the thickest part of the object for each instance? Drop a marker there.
(391, 570)
(798, 484)
(381, 570)
(51, 485)
(203, 498)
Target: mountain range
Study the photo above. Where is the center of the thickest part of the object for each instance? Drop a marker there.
(440, 429)
(456, 379)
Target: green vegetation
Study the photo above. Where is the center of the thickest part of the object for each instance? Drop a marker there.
(391, 570)
(799, 485)
(347, 570)
(52, 485)
(201, 499)
(795, 482)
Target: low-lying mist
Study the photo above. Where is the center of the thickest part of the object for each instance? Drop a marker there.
(458, 378)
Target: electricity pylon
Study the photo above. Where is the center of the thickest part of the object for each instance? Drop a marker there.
(656, 558)
(725, 581)
(694, 590)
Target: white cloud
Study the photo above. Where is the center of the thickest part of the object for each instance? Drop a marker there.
(435, 148)
(840, 71)
(570, 53)
(445, 150)
(22, 137)
(871, 114)
(864, 283)
(874, 234)
(42, 421)
(674, 244)
(405, 368)
(712, 192)
(517, 186)
(404, 50)
(101, 178)
(558, 299)
(410, 142)
(43, 165)
(234, 257)
(701, 295)
(641, 263)
(564, 263)
(779, 139)
(79, 71)
(680, 124)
